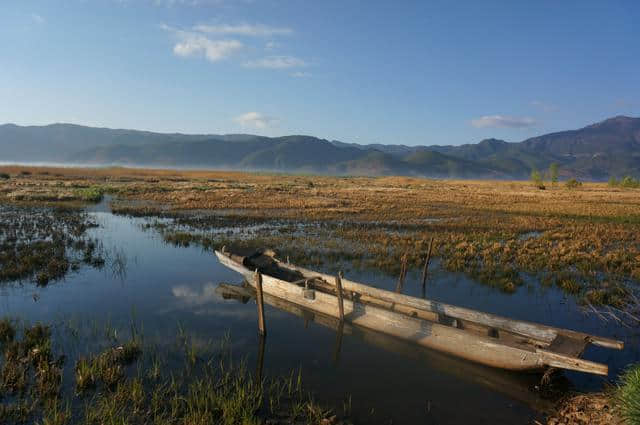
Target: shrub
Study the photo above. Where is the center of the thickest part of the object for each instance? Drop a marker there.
(553, 171)
(4, 176)
(90, 194)
(573, 184)
(628, 395)
(626, 181)
(630, 182)
(536, 178)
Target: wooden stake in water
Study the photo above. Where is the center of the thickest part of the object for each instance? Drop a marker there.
(339, 294)
(403, 273)
(425, 270)
(260, 301)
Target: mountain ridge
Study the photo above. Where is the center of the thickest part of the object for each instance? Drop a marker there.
(594, 152)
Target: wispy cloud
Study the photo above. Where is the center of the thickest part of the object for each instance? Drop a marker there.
(191, 43)
(300, 74)
(271, 45)
(256, 120)
(250, 30)
(276, 62)
(546, 107)
(38, 19)
(502, 121)
(219, 41)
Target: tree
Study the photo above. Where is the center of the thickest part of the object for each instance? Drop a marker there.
(553, 171)
(536, 178)
(573, 184)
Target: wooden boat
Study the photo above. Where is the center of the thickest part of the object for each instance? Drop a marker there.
(469, 334)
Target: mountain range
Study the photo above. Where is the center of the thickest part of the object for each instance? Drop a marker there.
(596, 152)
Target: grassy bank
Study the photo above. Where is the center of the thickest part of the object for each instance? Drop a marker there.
(619, 405)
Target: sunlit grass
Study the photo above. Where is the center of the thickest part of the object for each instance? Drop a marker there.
(627, 395)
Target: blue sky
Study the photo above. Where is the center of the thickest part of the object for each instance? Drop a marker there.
(423, 72)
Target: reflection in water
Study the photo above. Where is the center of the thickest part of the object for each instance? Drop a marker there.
(261, 345)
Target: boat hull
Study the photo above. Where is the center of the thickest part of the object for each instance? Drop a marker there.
(447, 339)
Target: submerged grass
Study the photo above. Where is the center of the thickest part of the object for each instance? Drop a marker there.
(44, 244)
(132, 383)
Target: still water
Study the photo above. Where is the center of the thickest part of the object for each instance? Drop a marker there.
(384, 380)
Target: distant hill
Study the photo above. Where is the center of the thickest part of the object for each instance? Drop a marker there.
(595, 152)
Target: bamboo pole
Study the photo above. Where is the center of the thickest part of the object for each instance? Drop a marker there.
(339, 294)
(260, 301)
(425, 270)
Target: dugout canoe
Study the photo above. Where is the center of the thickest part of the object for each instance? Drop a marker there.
(469, 334)
(518, 386)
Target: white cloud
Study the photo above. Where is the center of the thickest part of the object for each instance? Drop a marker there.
(502, 121)
(251, 30)
(37, 18)
(255, 119)
(208, 41)
(276, 62)
(194, 44)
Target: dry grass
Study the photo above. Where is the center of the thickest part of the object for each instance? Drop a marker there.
(586, 241)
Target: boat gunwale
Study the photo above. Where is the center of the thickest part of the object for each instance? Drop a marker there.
(543, 333)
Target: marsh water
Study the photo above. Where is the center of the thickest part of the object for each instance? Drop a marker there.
(164, 287)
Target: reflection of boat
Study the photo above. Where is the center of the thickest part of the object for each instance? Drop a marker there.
(516, 386)
(472, 335)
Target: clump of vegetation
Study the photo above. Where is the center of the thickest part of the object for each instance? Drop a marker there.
(90, 194)
(43, 244)
(553, 173)
(4, 176)
(573, 183)
(28, 362)
(7, 331)
(626, 182)
(536, 179)
(107, 367)
(627, 395)
(630, 182)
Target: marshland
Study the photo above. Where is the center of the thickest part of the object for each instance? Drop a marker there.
(109, 305)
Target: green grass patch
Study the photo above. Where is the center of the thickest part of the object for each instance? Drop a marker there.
(628, 395)
(90, 194)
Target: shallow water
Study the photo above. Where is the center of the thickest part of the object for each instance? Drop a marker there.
(161, 286)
